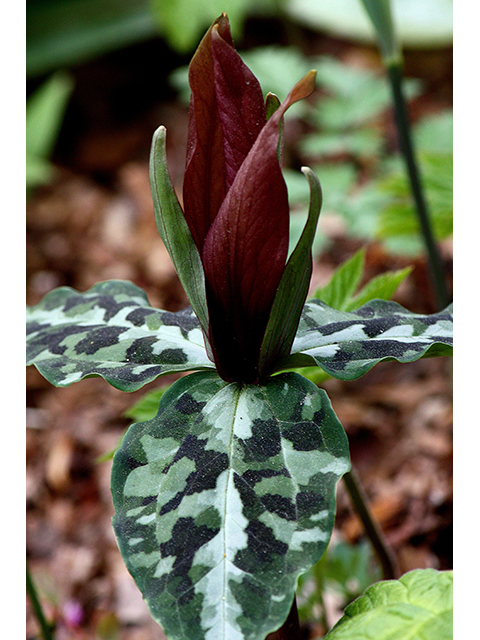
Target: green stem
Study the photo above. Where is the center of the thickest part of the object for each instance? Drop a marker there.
(372, 528)
(319, 573)
(437, 270)
(46, 627)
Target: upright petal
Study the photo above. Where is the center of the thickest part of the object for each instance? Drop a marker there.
(241, 107)
(225, 117)
(246, 249)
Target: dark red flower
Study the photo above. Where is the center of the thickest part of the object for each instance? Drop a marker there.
(235, 199)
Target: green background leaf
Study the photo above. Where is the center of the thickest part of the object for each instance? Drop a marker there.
(224, 499)
(44, 115)
(419, 23)
(419, 605)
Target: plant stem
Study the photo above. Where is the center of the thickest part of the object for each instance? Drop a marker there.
(290, 630)
(46, 627)
(372, 528)
(437, 270)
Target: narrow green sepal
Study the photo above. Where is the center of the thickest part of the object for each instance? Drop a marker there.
(272, 102)
(174, 230)
(293, 288)
(380, 13)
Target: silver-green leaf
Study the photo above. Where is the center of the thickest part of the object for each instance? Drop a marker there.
(348, 344)
(111, 331)
(224, 499)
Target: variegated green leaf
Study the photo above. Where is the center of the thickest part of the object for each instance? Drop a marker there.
(224, 499)
(348, 344)
(111, 331)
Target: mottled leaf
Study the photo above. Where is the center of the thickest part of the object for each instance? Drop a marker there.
(348, 344)
(224, 499)
(418, 606)
(111, 331)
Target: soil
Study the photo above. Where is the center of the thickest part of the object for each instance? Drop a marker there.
(95, 222)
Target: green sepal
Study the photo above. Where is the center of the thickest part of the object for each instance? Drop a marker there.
(293, 288)
(111, 331)
(272, 102)
(224, 499)
(174, 230)
(348, 344)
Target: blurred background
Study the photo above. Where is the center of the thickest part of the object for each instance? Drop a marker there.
(102, 75)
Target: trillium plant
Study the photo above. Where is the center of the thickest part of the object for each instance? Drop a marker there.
(227, 495)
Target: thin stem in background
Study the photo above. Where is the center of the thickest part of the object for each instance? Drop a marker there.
(437, 270)
(372, 528)
(46, 628)
(290, 630)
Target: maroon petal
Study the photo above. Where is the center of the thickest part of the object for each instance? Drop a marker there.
(245, 251)
(241, 107)
(225, 117)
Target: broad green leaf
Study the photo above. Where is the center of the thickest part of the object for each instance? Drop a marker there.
(38, 171)
(224, 499)
(146, 408)
(380, 287)
(293, 288)
(356, 95)
(348, 344)
(174, 230)
(344, 570)
(343, 283)
(360, 143)
(111, 331)
(65, 32)
(434, 133)
(399, 218)
(44, 114)
(419, 605)
(419, 24)
(278, 69)
(183, 22)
